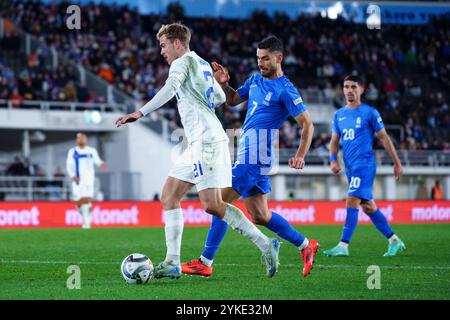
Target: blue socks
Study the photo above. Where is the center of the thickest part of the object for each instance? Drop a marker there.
(215, 236)
(350, 224)
(380, 222)
(281, 227)
(277, 224)
(378, 219)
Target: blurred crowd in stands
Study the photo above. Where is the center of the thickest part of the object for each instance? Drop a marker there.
(24, 167)
(49, 186)
(32, 78)
(33, 82)
(406, 68)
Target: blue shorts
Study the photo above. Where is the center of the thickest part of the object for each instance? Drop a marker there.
(360, 181)
(248, 180)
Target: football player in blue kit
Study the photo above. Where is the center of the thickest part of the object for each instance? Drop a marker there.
(271, 98)
(355, 125)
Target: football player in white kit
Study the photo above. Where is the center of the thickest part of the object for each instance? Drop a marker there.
(208, 164)
(80, 167)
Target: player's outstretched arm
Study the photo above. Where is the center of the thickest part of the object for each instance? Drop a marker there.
(389, 146)
(128, 118)
(178, 73)
(305, 122)
(222, 77)
(334, 149)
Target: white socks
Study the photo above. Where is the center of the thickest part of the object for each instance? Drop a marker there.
(174, 231)
(304, 244)
(85, 210)
(239, 222)
(393, 239)
(343, 244)
(206, 261)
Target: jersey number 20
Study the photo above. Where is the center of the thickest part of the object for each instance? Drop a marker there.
(349, 134)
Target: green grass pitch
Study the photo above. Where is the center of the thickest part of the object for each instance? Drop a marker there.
(33, 265)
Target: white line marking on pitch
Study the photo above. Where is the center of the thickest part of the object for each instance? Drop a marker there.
(53, 262)
(339, 266)
(289, 265)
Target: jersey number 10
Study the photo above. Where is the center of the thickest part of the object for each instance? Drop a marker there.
(355, 182)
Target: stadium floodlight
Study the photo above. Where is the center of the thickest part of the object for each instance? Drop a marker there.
(93, 117)
(335, 10)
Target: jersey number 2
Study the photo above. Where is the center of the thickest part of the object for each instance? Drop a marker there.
(209, 77)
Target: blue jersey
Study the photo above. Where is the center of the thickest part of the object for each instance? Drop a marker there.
(270, 102)
(357, 127)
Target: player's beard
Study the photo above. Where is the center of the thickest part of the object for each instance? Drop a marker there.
(269, 73)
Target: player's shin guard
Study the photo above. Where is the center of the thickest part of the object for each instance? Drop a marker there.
(281, 227)
(380, 222)
(215, 236)
(351, 221)
(174, 224)
(239, 222)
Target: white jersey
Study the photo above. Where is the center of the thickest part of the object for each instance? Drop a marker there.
(198, 94)
(80, 162)
(197, 98)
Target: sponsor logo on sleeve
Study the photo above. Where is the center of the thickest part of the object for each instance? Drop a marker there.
(298, 101)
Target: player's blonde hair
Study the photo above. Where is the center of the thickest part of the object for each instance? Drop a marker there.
(175, 31)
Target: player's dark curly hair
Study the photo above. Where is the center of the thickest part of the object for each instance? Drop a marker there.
(272, 44)
(355, 78)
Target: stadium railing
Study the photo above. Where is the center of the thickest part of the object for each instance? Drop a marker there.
(108, 186)
(126, 185)
(315, 96)
(63, 105)
(34, 188)
(426, 158)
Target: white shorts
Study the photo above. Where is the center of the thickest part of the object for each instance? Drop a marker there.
(207, 165)
(82, 190)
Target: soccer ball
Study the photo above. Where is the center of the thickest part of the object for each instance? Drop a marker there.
(137, 268)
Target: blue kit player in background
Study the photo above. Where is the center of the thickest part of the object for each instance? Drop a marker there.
(355, 125)
(271, 99)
